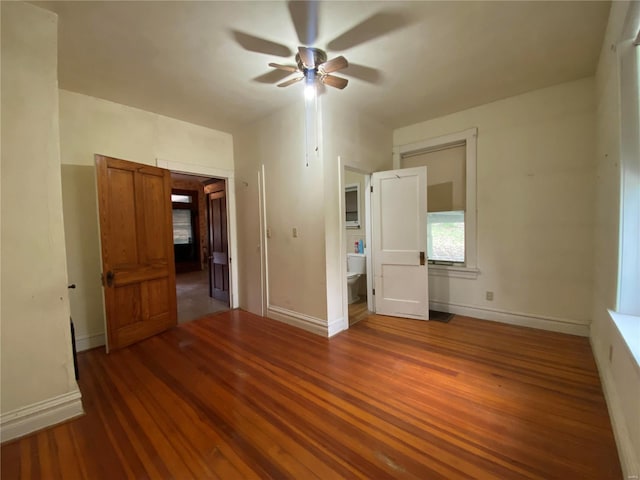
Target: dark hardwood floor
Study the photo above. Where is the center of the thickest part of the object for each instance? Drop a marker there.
(239, 396)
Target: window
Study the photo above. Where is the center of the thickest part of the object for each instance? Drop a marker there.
(352, 205)
(182, 227)
(629, 262)
(451, 199)
(181, 198)
(186, 231)
(445, 237)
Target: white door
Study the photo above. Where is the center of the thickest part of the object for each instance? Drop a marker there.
(399, 221)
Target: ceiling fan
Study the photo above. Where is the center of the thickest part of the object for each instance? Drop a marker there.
(313, 65)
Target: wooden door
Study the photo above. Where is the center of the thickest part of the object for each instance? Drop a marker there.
(218, 243)
(137, 250)
(399, 216)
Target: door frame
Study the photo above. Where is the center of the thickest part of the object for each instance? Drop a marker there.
(228, 176)
(345, 165)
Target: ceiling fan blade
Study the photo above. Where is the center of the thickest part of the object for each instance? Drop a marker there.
(260, 45)
(334, 81)
(375, 26)
(286, 68)
(304, 16)
(334, 64)
(291, 82)
(307, 57)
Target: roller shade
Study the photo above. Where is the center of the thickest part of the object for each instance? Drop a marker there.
(446, 178)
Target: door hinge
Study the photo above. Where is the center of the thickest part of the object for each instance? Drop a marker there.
(374, 291)
(371, 188)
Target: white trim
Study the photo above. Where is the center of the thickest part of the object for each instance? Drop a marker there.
(336, 326)
(629, 460)
(300, 320)
(554, 324)
(469, 137)
(343, 240)
(629, 329)
(192, 169)
(367, 237)
(265, 241)
(25, 420)
(453, 271)
(229, 175)
(86, 342)
(628, 301)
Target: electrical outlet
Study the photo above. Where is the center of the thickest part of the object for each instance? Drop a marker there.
(610, 353)
(295, 232)
(489, 296)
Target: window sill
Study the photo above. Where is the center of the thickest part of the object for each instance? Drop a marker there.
(629, 328)
(453, 271)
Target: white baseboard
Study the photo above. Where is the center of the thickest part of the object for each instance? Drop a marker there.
(300, 320)
(86, 342)
(629, 460)
(513, 318)
(336, 326)
(37, 416)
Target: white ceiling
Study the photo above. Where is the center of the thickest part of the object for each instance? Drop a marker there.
(420, 60)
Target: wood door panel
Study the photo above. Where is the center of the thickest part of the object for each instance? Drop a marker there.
(154, 217)
(137, 250)
(219, 259)
(123, 249)
(134, 274)
(127, 302)
(157, 296)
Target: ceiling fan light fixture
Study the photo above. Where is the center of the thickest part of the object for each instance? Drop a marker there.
(310, 91)
(310, 85)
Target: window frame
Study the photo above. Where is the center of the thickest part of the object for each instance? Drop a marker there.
(467, 137)
(626, 316)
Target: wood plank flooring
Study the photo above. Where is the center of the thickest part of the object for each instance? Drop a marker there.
(238, 396)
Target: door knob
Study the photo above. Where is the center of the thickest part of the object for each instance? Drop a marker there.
(110, 277)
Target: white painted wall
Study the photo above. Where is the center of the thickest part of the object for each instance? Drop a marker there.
(535, 184)
(88, 126)
(620, 376)
(37, 362)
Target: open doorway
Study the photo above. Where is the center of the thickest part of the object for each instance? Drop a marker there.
(356, 227)
(200, 237)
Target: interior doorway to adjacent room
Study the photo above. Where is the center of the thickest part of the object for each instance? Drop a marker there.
(200, 242)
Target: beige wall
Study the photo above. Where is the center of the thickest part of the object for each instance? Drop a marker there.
(37, 363)
(621, 375)
(304, 274)
(88, 126)
(535, 200)
(293, 195)
(352, 139)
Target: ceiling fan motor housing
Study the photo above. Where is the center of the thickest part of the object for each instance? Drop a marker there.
(319, 57)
